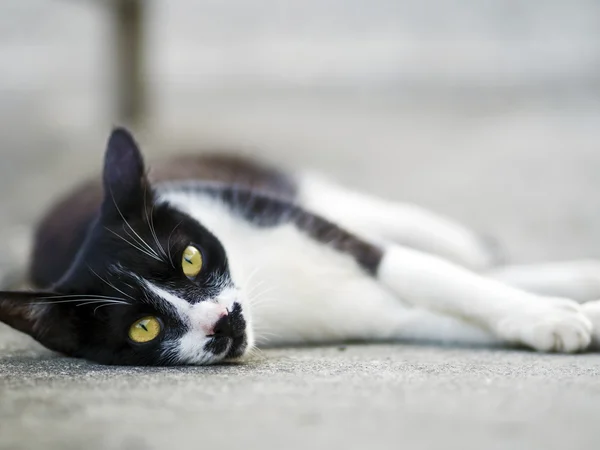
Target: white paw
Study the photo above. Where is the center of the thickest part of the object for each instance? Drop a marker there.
(548, 325)
(592, 312)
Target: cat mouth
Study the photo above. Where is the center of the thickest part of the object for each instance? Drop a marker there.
(230, 347)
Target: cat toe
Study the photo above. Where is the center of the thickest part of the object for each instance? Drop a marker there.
(560, 327)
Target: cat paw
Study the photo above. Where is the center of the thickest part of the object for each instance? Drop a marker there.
(592, 312)
(559, 325)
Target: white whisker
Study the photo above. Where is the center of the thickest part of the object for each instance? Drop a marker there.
(252, 274)
(150, 221)
(81, 301)
(94, 296)
(257, 296)
(101, 301)
(169, 243)
(110, 284)
(142, 242)
(133, 245)
(251, 291)
(107, 304)
(265, 336)
(154, 254)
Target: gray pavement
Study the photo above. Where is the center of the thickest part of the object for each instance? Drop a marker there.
(486, 111)
(386, 397)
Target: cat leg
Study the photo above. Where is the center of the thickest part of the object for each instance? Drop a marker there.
(380, 220)
(577, 280)
(429, 282)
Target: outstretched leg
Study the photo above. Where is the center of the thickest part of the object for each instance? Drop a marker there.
(381, 221)
(428, 282)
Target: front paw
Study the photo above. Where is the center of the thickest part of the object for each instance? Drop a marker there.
(548, 325)
(592, 312)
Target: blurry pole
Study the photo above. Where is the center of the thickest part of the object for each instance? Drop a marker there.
(128, 17)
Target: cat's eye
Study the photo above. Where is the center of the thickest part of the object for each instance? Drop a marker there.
(191, 262)
(145, 330)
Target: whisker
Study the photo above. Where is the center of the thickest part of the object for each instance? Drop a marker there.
(133, 245)
(255, 349)
(259, 302)
(102, 301)
(261, 293)
(81, 301)
(265, 336)
(130, 227)
(81, 296)
(153, 254)
(255, 353)
(252, 275)
(260, 306)
(110, 284)
(108, 304)
(252, 289)
(126, 284)
(150, 222)
(153, 229)
(169, 243)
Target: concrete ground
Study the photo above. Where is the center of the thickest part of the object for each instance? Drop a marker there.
(486, 111)
(361, 397)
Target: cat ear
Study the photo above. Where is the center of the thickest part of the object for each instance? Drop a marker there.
(125, 183)
(34, 314)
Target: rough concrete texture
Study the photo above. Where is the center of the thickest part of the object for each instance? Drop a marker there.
(486, 111)
(363, 397)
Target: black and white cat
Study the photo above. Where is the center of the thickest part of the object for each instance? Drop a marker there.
(208, 256)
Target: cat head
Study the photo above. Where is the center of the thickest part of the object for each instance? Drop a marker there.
(149, 286)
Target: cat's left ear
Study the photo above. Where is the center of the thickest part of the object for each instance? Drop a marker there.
(34, 313)
(126, 186)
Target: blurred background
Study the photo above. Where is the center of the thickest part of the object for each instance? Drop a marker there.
(485, 110)
(488, 111)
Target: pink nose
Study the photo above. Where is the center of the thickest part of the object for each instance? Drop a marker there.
(220, 323)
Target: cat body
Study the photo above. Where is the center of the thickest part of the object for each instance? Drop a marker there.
(207, 256)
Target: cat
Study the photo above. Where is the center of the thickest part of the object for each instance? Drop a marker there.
(205, 257)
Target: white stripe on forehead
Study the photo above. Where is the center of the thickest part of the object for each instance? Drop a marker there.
(181, 305)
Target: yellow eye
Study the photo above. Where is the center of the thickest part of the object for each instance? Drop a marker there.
(145, 330)
(191, 262)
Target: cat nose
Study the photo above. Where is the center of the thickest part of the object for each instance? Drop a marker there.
(222, 327)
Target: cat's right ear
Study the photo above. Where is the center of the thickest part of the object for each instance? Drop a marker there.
(126, 187)
(40, 316)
